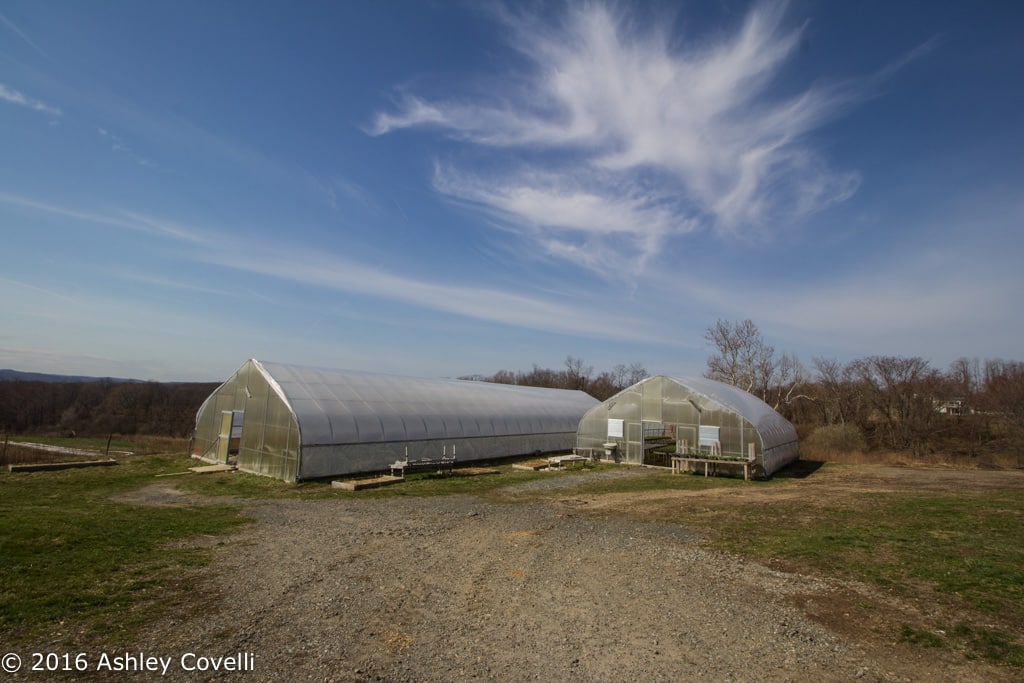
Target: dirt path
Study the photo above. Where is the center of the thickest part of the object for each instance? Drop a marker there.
(456, 588)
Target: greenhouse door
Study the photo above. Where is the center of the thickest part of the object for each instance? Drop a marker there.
(230, 433)
(634, 442)
(686, 437)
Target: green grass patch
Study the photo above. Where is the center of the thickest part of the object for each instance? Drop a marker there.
(418, 484)
(99, 443)
(966, 550)
(655, 480)
(967, 547)
(975, 642)
(72, 555)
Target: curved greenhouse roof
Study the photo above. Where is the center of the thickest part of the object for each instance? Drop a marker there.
(347, 406)
(294, 422)
(774, 429)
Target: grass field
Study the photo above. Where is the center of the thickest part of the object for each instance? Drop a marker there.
(73, 555)
(955, 546)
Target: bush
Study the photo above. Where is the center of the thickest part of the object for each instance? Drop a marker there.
(841, 439)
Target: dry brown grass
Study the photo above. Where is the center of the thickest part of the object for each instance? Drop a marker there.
(1007, 461)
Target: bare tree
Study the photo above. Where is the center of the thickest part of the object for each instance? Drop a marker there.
(1004, 388)
(840, 398)
(789, 375)
(577, 374)
(903, 392)
(602, 387)
(739, 347)
(744, 359)
(503, 377)
(622, 376)
(966, 379)
(635, 373)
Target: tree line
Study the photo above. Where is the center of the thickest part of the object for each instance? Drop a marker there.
(575, 375)
(878, 402)
(101, 408)
(973, 408)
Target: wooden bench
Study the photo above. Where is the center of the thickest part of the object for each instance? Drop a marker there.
(444, 465)
(681, 463)
(560, 460)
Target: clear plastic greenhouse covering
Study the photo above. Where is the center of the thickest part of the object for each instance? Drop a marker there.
(774, 429)
(351, 407)
(694, 411)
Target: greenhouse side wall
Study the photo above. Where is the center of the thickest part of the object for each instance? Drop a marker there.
(330, 460)
(774, 459)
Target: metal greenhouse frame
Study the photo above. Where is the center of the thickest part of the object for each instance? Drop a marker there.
(700, 416)
(296, 423)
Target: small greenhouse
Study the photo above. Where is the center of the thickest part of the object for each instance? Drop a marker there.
(296, 423)
(659, 417)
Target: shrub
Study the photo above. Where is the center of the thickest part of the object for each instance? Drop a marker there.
(840, 439)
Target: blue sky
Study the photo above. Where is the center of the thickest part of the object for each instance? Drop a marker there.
(448, 188)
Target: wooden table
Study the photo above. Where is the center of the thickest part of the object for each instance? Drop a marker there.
(681, 464)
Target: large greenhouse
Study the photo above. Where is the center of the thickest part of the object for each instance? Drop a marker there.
(649, 422)
(296, 423)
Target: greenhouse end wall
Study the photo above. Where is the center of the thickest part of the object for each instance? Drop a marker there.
(663, 406)
(269, 440)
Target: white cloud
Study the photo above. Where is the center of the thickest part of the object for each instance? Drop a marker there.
(128, 220)
(35, 289)
(642, 119)
(490, 305)
(320, 270)
(936, 302)
(592, 219)
(414, 112)
(15, 97)
(21, 34)
(57, 362)
(118, 145)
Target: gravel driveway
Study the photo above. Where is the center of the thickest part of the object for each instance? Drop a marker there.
(456, 588)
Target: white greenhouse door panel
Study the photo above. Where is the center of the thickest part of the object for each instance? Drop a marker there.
(224, 438)
(634, 442)
(231, 422)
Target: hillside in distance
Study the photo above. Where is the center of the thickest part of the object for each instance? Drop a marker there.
(8, 375)
(69, 405)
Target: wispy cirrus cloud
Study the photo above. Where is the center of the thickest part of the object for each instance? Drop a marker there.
(120, 218)
(641, 118)
(334, 273)
(34, 288)
(119, 146)
(470, 301)
(15, 97)
(575, 217)
(21, 34)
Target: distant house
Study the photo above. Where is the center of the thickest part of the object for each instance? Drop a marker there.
(953, 406)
